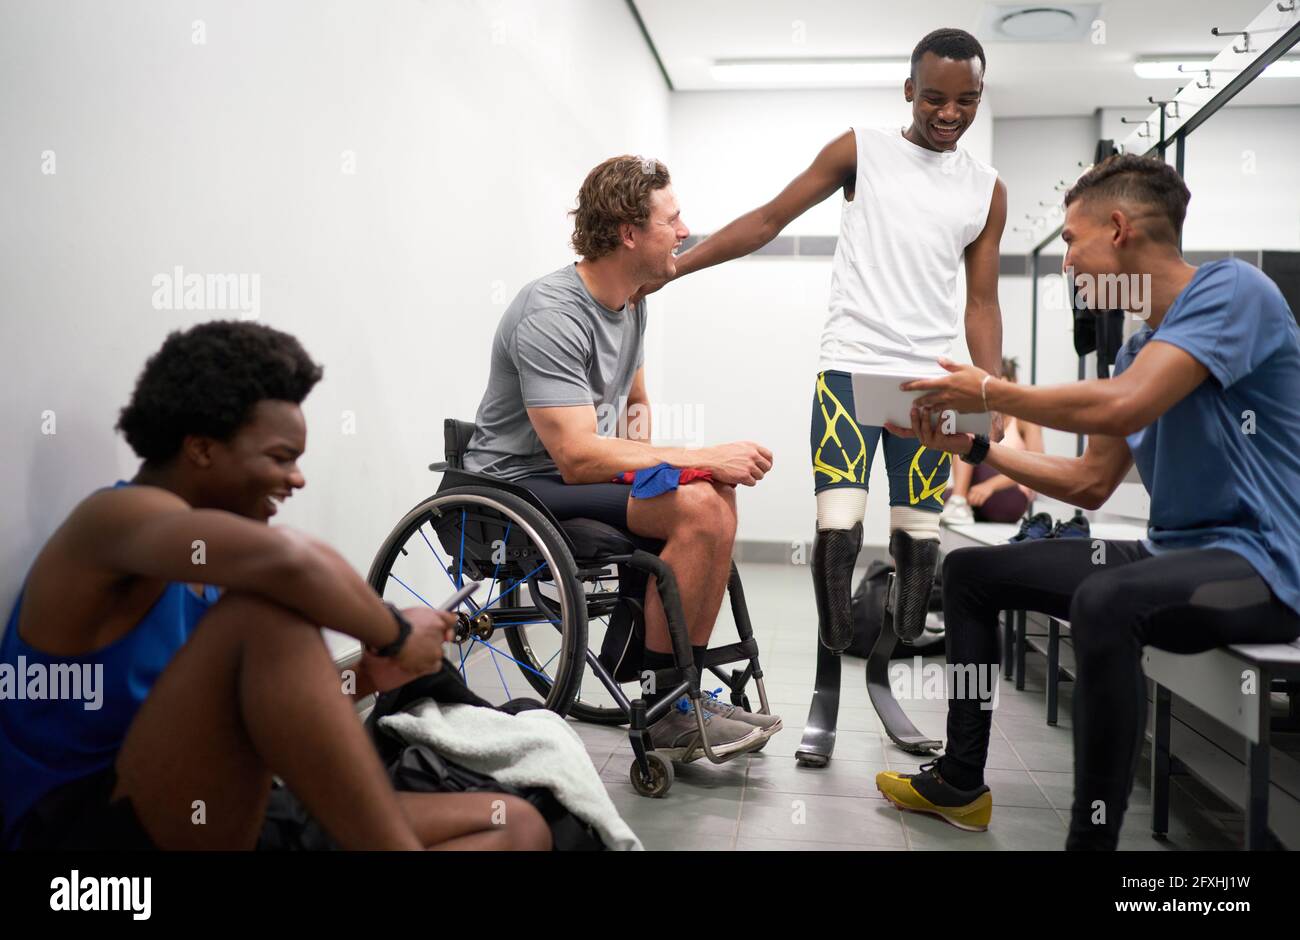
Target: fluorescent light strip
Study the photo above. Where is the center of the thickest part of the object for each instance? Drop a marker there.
(1168, 68)
(829, 71)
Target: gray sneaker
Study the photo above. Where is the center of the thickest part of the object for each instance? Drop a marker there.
(768, 724)
(677, 735)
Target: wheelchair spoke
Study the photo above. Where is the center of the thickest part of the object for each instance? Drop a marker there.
(515, 585)
(501, 674)
(446, 569)
(409, 588)
(513, 660)
(461, 647)
(460, 562)
(504, 543)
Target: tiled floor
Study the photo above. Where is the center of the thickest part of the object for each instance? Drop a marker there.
(766, 801)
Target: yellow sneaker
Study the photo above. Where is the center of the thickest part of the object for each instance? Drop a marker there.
(928, 792)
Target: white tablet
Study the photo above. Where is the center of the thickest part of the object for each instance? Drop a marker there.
(878, 399)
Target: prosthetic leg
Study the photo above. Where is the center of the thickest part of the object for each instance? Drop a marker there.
(835, 553)
(905, 609)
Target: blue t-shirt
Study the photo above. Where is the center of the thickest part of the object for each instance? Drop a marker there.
(1223, 464)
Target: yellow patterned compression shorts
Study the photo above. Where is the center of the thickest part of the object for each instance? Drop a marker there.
(842, 451)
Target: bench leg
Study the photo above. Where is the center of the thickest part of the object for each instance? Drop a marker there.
(1160, 764)
(1021, 616)
(1053, 667)
(1257, 771)
(1257, 797)
(1008, 642)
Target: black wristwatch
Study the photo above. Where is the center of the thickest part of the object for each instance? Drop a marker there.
(979, 449)
(403, 631)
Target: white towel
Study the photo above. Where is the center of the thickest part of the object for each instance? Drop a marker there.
(534, 748)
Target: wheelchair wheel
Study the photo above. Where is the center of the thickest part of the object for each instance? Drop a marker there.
(531, 598)
(592, 704)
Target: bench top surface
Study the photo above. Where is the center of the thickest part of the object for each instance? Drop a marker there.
(996, 533)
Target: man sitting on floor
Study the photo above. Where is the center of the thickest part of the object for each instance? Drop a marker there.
(1204, 400)
(570, 347)
(199, 700)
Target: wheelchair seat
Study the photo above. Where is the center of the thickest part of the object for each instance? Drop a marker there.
(589, 539)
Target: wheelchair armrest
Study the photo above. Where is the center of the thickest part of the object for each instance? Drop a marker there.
(439, 466)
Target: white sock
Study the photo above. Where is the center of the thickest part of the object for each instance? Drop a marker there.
(915, 522)
(841, 508)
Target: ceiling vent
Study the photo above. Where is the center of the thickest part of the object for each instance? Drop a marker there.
(1027, 22)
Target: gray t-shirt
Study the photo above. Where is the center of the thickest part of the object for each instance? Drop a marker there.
(556, 345)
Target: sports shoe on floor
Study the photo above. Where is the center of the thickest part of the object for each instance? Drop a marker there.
(1075, 527)
(1037, 526)
(928, 792)
(677, 735)
(956, 511)
(768, 724)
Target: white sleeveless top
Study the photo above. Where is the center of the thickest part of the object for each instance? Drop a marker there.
(893, 305)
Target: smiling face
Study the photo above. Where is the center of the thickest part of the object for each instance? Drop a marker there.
(257, 468)
(945, 94)
(1092, 240)
(658, 240)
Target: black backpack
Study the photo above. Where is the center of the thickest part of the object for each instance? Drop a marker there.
(869, 615)
(416, 768)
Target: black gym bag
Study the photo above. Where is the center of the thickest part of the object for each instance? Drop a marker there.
(868, 608)
(417, 768)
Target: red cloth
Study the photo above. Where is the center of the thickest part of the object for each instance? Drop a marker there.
(689, 475)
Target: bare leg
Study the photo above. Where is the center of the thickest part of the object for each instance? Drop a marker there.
(253, 692)
(491, 822)
(961, 477)
(699, 525)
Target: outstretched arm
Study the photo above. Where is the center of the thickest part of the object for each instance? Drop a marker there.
(835, 166)
(1161, 376)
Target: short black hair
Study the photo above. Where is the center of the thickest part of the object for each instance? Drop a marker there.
(1147, 181)
(955, 44)
(206, 380)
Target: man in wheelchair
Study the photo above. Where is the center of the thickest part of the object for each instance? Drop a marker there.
(570, 346)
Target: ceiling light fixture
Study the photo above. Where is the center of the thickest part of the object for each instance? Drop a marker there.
(810, 71)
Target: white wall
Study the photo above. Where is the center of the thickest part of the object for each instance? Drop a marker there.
(1240, 168)
(472, 123)
(1032, 156)
(742, 338)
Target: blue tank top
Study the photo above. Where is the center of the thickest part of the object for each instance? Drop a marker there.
(47, 741)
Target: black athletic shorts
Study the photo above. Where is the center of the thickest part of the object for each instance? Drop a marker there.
(80, 816)
(604, 502)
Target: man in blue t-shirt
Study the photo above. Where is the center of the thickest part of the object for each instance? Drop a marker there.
(1204, 400)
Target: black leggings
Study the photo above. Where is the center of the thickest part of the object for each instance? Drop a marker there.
(1117, 597)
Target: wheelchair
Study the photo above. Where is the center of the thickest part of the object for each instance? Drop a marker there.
(549, 588)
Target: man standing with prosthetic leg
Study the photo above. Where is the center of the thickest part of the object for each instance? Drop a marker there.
(915, 207)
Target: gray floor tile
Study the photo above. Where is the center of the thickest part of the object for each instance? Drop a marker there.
(838, 778)
(1010, 828)
(808, 818)
(789, 845)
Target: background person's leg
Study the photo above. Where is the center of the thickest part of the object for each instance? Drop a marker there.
(1185, 602)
